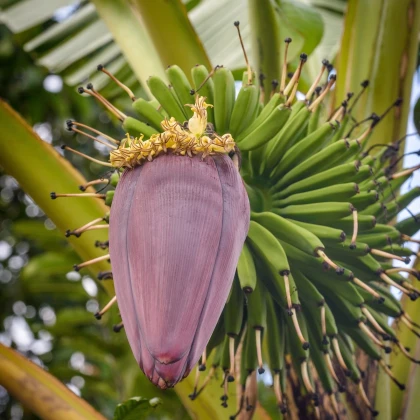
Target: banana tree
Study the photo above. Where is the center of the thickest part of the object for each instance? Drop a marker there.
(305, 176)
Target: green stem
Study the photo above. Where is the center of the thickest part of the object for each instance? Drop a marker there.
(380, 44)
(172, 33)
(40, 169)
(133, 39)
(265, 41)
(39, 391)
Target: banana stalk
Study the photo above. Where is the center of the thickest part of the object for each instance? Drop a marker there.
(39, 391)
(21, 151)
(164, 20)
(132, 37)
(383, 55)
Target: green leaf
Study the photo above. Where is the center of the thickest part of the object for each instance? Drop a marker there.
(36, 232)
(136, 408)
(43, 266)
(302, 23)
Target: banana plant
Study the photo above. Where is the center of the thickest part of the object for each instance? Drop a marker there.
(306, 188)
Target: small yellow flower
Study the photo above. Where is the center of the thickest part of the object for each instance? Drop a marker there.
(182, 141)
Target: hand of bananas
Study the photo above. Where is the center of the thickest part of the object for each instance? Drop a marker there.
(314, 274)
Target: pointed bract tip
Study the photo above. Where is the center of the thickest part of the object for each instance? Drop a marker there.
(53, 195)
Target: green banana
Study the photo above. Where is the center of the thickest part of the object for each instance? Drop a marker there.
(224, 98)
(304, 149)
(316, 212)
(148, 113)
(182, 87)
(339, 192)
(166, 97)
(246, 270)
(262, 134)
(245, 109)
(136, 128)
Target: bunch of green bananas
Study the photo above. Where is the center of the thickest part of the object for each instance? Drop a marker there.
(314, 274)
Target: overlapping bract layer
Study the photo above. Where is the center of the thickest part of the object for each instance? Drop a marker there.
(177, 228)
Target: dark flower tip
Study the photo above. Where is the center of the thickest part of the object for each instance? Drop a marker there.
(53, 195)
(413, 296)
(247, 290)
(223, 397)
(230, 378)
(288, 40)
(352, 246)
(68, 233)
(325, 341)
(98, 315)
(347, 372)
(82, 188)
(341, 388)
(236, 23)
(89, 86)
(407, 260)
(375, 413)
(81, 89)
(388, 350)
(283, 409)
(340, 271)
(100, 67)
(76, 267)
(202, 368)
(386, 337)
(401, 386)
(365, 83)
(304, 56)
(117, 328)
(192, 92)
(261, 370)
(305, 345)
(63, 147)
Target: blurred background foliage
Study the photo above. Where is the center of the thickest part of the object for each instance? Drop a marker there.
(46, 50)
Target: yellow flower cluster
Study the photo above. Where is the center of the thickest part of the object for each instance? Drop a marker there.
(175, 137)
